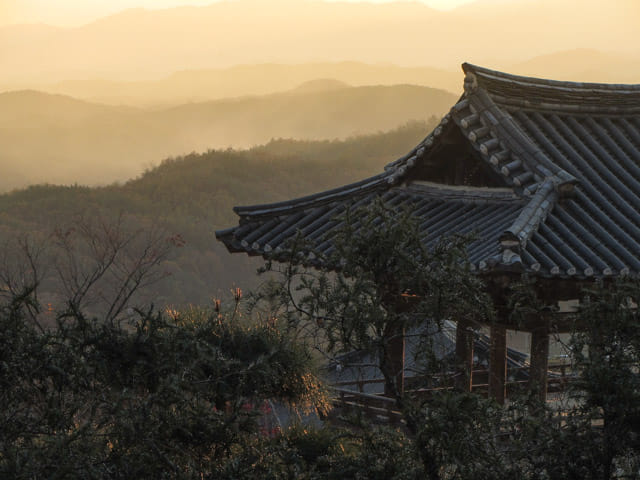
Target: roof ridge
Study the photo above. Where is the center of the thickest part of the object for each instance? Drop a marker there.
(513, 241)
(480, 130)
(544, 82)
(372, 183)
(398, 168)
(529, 219)
(462, 193)
(503, 144)
(554, 95)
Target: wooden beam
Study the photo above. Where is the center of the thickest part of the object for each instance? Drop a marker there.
(539, 365)
(558, 322)
(548, 290)
(464, 356)
(498, 363)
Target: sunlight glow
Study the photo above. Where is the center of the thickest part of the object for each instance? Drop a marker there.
(78, 12)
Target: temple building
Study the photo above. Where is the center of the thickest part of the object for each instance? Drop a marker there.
(547, 175)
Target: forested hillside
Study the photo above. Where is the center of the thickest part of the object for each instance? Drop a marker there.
(192, 196)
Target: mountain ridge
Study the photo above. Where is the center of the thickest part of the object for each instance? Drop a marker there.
(97, 144)
(241, 80)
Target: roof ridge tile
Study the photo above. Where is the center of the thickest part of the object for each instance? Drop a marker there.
(529, 219)
(543, 94)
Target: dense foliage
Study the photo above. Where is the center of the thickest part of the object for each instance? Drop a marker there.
(171, 395)
(188, 393)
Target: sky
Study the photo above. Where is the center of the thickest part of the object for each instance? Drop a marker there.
(77, 12)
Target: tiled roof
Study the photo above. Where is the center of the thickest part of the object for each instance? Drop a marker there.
(567, 154)
(485, 212)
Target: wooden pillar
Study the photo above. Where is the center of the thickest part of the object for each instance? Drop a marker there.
(498, 364)
(539, 364)
(464, 356)
(395, 361)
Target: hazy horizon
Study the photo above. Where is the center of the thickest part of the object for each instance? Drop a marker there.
(75, 13)
(146, 44)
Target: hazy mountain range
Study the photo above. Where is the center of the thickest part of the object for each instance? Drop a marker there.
(114, 96)
(144, 44)
(48, 138)
(586, 65)
(54, 138)
(199, 85)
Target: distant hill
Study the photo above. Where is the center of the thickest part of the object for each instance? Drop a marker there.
(320, 85)
(144, 44)
(57, 139)
(260, 79)
(30, 109)
(194, 195)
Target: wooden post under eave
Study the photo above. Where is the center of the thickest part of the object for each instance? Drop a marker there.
(498, 364)
(539, 365)
(395, 359)
(464, 356)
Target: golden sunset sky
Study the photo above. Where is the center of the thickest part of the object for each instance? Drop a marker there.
(76, 12)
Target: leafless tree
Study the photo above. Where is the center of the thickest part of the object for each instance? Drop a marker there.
(94, 265)
(21, 274)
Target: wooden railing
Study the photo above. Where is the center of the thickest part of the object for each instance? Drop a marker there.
(351, 395)
(376, 408)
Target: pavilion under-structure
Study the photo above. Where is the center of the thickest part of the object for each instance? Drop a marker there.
(545, 173)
